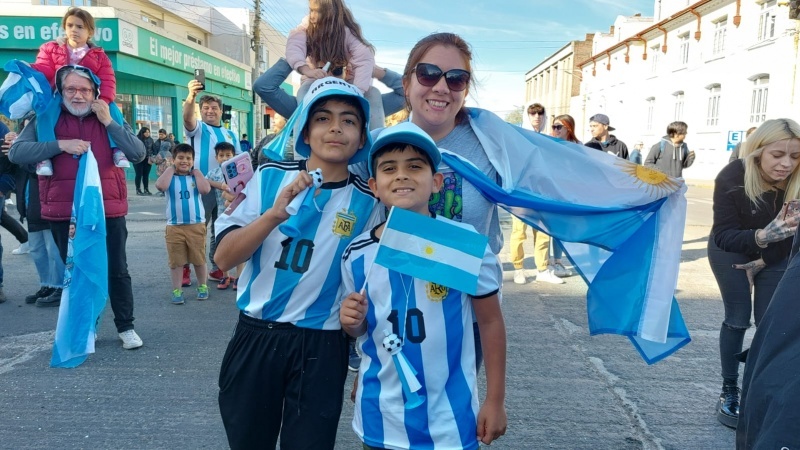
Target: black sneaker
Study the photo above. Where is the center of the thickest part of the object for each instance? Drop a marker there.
(53, 299)
(354, 359)
(2, 296)
(43, 291)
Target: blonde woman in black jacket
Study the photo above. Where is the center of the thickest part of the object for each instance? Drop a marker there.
(751, 239)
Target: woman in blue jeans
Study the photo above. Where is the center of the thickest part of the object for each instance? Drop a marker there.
(750, 240)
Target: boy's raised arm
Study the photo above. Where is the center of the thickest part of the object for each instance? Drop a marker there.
(240, 244)
(163, 181)
(202, 183)
(492, 419)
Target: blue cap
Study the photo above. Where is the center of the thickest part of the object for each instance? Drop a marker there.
(404, 133)
(320, 89)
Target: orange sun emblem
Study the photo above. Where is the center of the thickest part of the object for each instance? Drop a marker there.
(657, 183)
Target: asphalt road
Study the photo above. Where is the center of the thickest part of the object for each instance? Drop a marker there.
(565, 389)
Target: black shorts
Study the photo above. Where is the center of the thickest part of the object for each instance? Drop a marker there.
(277, 378)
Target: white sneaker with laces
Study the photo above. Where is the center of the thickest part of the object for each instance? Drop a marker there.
(519, 276)
(23, 249)
(560, 270)
(44, 168)
(130, 340)
(549, 277)
(120, 160)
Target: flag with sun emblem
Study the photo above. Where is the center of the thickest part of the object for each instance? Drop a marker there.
(621, 225)
(432, 250)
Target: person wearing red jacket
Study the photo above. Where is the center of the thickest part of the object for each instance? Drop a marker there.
(76, 49)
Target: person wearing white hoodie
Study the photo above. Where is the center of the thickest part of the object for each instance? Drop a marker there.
(671, 155)
(537, 121)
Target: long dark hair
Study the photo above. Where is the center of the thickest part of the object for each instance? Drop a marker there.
(141, 132)
(326, 39)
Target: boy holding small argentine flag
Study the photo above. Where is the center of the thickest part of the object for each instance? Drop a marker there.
(413, 284)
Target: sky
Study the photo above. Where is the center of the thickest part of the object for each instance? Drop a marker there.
(508, 37)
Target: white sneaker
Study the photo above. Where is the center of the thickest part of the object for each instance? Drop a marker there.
(549, 277)
(560, 270)
(44, 168)
(130, 340)
(120, 160)
(23, 249)
(519, 276)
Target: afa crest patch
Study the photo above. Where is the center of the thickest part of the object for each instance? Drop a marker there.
(344, 224)
(436, 292)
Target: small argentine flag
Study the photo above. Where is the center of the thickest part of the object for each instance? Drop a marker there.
(432, 250)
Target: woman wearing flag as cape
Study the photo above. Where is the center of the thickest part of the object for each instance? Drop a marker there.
(634, 227)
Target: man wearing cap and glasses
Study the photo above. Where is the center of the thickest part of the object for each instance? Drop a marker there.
(86, 121)
(599, 126)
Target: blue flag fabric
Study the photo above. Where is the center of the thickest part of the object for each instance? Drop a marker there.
(621, 225)
(25, 89)
(86, 276)
(432, 250)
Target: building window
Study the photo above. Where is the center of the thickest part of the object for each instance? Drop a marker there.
(766, 21)
(150, 19)
(153, 112)
(712, 115)
(651, 107)
(194, 39)
(654, 51)
(678, 105)
(758, 102)
(68, 2)
(683, 54)
(720, 30)
(264, 58)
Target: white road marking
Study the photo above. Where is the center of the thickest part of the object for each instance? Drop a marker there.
(19, 349)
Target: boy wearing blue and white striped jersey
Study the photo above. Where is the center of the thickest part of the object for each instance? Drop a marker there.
(434, 322)
(183, 185)
(284, 370)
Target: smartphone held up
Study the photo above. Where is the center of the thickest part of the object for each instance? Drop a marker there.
(200, 76)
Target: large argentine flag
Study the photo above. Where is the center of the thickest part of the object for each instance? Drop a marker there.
(431, 250)
(84, 298)
(621, 223)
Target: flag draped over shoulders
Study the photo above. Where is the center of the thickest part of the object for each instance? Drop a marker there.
(621, 225)
(86, 278)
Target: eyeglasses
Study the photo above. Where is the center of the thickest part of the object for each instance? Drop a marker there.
(541, 113)
(84, 91)
(430, 74)
(558, 127)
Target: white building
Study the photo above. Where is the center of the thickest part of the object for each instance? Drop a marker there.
(719, 65)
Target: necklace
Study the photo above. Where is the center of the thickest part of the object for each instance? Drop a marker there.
(407, 291)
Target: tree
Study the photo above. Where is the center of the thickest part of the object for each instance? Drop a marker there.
(515, 116)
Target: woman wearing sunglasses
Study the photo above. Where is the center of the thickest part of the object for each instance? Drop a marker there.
(563, 128)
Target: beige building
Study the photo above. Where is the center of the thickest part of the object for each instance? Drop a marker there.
(556, 80)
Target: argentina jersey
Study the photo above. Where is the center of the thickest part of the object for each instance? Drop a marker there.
(184, 205)
(203, 139)
(296, 280)
(435, 323)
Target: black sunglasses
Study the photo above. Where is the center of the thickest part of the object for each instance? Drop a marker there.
(430, 74)
(558, 127)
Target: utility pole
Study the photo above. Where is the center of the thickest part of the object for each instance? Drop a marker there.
(258, 111)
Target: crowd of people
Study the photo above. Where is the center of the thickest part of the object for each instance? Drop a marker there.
(304, 286)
